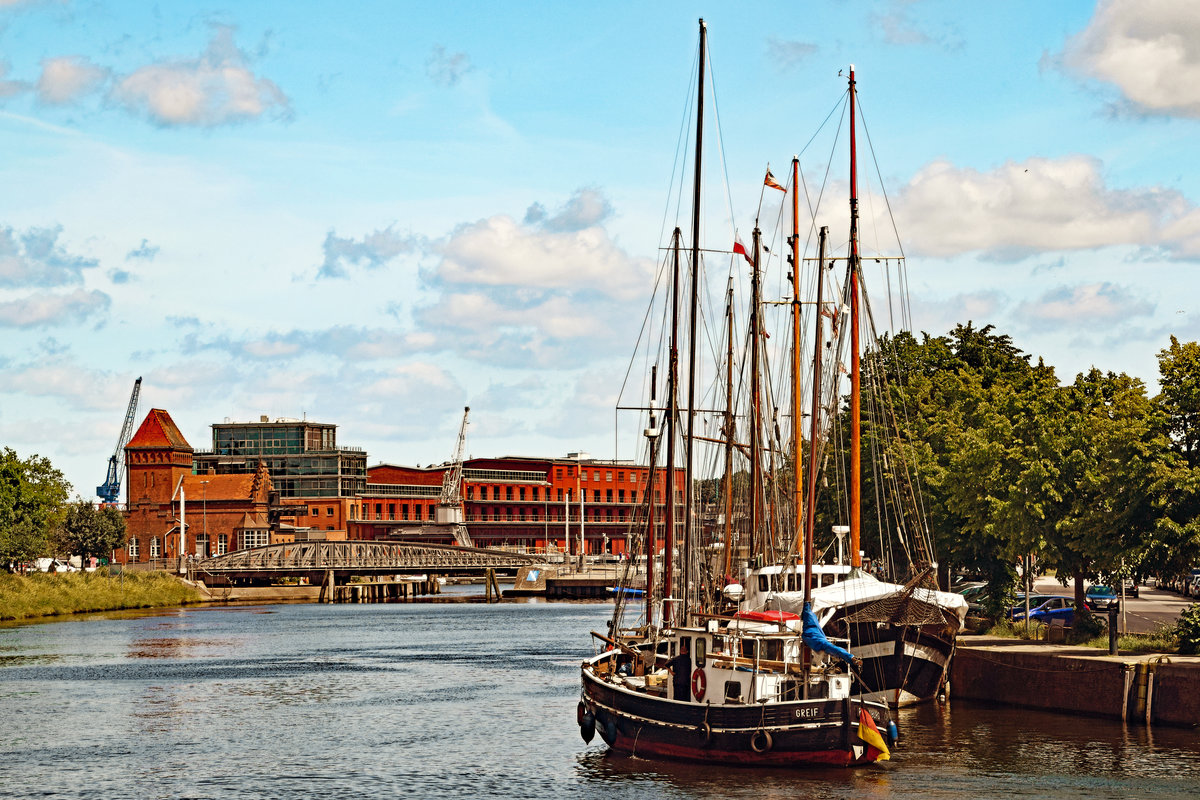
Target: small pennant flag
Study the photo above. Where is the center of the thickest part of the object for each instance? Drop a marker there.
(877, 749)
(770, 181)
(738, 247)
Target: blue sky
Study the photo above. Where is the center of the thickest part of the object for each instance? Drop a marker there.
(377, 213)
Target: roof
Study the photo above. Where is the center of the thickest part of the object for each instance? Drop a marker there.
(158, 431)
(215, 488)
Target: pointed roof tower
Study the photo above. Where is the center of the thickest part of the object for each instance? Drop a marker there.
(158, 432)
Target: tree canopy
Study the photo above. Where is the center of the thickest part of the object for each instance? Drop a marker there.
(32, 495)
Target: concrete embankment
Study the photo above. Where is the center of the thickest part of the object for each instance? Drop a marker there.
(1140, 689)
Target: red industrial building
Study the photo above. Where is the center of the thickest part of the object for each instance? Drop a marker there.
(230, 500)
(526, 503)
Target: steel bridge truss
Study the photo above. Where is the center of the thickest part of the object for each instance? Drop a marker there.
(364, 558)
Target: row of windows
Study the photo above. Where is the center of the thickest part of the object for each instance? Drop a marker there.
(553, 514)
(536, 496)
(202, 550)
(634, 477)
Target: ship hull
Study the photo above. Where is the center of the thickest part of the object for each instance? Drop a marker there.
(806, 732)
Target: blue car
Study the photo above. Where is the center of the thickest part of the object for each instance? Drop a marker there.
(1051, 608)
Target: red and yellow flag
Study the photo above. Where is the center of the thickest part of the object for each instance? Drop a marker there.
(870, 734)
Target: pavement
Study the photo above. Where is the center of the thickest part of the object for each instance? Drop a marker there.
(1153, 607)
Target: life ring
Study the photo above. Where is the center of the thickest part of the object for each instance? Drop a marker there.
(699, 683)
(761, 741)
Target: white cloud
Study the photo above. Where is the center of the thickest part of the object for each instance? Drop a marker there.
(52, 309)
(373, 251)
(68, 78)
(446, 69)
(787, 53)
(215, 89)
(585, 209)
(1148, 49)
(9, 88)
(498, 251)
(1038, 205)
(1099, 306)
(35, 258)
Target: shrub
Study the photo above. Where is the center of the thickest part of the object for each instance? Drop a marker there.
(1086, 626)
(1188, 630)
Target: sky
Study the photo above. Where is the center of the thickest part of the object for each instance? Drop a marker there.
(377, 213)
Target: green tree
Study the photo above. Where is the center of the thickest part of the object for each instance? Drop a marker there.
(32, 495)
(1176, 544)
(88, 531)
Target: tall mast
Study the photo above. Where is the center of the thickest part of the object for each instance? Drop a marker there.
(855, 382)
(691, 421)
(672, 428)
(798, 485)
(729, 432)
(755, 408)
(810, 520)
(652, 433)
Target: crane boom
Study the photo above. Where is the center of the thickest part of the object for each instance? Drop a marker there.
(450, 506)
(110, 490)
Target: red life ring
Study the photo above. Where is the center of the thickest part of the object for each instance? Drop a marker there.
(699, 683)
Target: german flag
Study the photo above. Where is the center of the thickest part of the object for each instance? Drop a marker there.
(870, 734)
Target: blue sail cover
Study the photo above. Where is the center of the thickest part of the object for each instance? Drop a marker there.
(815, 639)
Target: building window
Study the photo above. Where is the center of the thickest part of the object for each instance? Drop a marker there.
(620, 477)
(522, 490)
(558, 473)
(404, 511)
(608, 514)
(595, 495)
(560, 495)
(508, 512)
(535, 493)
(417, 510)
(201, 545)
(391, 510)
(379, 511)
(254, 538)
(154, 547)
(596, 475)
(133, 549)
(222, 544)
(329, 511)
(633, 496)
(521, 513)
(495, 492)
(608, 476)
(608, 496)
(620, 495)
(508, 493)
(570, 472)
(470, 492)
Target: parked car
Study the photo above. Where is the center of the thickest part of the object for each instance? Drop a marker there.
(1051, 608)
(1099, 597)
(1130, 587)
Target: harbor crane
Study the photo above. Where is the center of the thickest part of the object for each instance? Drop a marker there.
(450, 506)
(110, 490)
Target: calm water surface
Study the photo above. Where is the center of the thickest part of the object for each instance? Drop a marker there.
(445, 701)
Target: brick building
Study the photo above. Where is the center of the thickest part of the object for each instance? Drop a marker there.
(219, 512)
(528, 503)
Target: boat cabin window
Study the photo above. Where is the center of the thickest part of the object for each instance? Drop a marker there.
(773, 649)
(791, 690)
(733, 692)
(763, 583)
(700, 651)
(718, 644)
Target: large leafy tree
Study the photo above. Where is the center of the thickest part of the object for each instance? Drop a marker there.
(1176, 544)
(32, 496)
(89, 531)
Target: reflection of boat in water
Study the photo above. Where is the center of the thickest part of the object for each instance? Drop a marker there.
(693, 681)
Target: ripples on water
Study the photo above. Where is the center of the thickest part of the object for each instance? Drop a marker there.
(445, 701)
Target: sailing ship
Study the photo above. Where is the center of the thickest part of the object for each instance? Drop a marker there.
(698, 680)
(904, 633)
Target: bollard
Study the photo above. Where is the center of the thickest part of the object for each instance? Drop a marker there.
(1112, 628)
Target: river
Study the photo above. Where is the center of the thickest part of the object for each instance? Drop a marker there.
(448, 701)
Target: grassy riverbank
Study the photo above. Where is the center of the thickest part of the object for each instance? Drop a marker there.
(41, 595)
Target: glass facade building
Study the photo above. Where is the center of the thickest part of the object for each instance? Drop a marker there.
(302, 457)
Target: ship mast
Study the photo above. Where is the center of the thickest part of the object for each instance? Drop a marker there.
(695, 302)
(855, 377)
(755, 409)
(672, 429)
(810, 521)
(797, 439)
(729, 433)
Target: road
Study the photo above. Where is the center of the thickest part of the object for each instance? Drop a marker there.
(1153, 607)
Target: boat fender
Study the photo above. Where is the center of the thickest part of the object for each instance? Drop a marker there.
(699, 683)
(705, 731)
(893, 732)
(609, 732)
(761, 741)
(587, 722)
